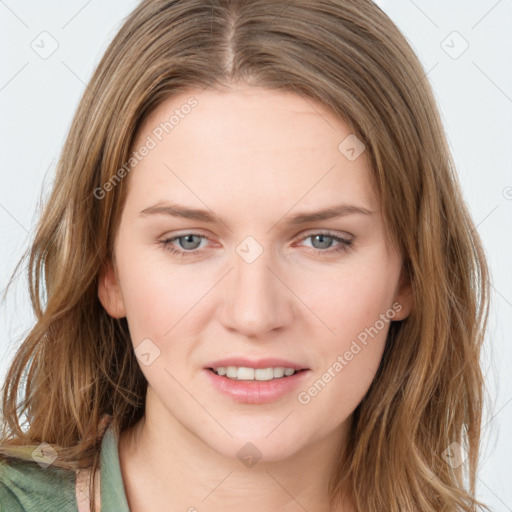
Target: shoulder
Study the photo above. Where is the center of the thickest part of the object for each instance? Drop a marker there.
(26, 486)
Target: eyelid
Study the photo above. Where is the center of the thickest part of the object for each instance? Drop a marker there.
(176, 236)
(329, 232)
(345, 239)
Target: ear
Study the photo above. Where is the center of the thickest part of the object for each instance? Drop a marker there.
(109, 292)
(404, 295)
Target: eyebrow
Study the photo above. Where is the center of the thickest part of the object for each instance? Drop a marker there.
(177, 210)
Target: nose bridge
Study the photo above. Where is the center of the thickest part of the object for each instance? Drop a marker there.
(256, 301)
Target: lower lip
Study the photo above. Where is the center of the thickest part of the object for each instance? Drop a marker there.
(256, 391)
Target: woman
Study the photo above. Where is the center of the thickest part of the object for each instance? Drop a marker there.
(263, 287)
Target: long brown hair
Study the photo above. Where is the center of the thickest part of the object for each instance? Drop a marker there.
(77, 363)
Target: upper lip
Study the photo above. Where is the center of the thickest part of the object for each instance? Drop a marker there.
(267, 362)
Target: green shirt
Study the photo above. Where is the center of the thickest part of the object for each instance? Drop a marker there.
(26, 486)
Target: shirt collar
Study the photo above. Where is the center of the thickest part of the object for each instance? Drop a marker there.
(113, 495)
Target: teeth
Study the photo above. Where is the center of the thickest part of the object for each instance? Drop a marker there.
(244, 373)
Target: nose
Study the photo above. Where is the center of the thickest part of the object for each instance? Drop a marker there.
(255, 299)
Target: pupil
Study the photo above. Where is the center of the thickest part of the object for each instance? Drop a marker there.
(187, 239)
(323, 238)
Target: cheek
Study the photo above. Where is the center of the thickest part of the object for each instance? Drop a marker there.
(356, 304)
(350, 298)
(348, 366)
(156, 295)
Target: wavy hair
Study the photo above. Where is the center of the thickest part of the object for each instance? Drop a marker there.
(77, 365)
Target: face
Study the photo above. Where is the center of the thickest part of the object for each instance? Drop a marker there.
(254, 275)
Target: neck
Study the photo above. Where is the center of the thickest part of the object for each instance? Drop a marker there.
(169, 465)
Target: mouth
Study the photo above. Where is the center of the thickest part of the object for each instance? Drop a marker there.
(245, 373)
(249, 385)
(244, 368)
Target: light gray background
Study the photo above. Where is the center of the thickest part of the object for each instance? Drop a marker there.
(38, 97)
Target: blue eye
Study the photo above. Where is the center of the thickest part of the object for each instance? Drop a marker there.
(188, 246)
(190, 242)
(325, 241)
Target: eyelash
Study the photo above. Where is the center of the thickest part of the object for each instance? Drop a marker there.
(344, 245)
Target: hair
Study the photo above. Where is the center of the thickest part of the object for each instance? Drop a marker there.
(77, 364)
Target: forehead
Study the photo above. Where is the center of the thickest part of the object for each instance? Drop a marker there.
(259, 144)
(247, 114)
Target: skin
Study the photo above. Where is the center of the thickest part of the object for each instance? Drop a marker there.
(255, 157)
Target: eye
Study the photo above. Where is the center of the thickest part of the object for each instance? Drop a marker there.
(322, 243)
(187, 244)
